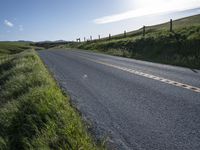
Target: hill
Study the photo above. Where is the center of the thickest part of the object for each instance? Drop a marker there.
(7, 48)
(181, 46)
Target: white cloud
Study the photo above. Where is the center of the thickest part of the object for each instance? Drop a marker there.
(21, 28)
(149, 7)
(8, 23)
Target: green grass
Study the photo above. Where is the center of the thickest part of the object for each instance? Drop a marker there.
(7, 48)
(34, 113)
(180, 47)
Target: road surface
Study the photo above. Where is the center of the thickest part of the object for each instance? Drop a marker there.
(132, 104)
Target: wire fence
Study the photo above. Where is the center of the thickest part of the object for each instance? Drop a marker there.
(123, 35)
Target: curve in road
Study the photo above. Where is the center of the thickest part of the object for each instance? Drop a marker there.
(134, 104)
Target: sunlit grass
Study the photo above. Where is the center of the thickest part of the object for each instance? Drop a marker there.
(34, 113)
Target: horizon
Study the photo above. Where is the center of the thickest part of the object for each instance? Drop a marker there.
(96, 38)
(67, 20)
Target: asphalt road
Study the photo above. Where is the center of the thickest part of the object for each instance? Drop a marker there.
(132, 104)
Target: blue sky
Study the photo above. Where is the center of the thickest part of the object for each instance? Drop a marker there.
(40, 20)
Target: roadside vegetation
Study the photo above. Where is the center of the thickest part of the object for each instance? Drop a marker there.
(180, 47)
(34, 113)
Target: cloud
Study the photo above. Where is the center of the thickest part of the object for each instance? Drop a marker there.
(21, 28)
(146, 7)
(8, 23)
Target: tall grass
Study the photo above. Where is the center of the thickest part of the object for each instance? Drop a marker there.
(34, 113)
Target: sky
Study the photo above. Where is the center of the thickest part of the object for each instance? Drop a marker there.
(45, 20)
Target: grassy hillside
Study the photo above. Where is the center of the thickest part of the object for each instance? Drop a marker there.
(180, 47)
(34, 113)
(177, 24)
(7, 48)
(48, 45)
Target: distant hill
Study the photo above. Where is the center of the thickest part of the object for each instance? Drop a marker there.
(50, 44)
(12, 47)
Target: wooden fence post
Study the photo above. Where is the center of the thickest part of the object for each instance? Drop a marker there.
(144, 30)
(109, 36)
(125, 33)
(91, 38)
(171, 25)
(78, 40)
(99, 37)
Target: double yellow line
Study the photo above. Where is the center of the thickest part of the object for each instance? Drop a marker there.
(153, 77)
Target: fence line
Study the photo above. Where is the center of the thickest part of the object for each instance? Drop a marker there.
(125, 33)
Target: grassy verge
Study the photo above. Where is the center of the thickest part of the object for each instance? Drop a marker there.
(180, 47)
(34, 113)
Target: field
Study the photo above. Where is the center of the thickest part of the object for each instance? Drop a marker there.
(34, 112)
(180, 47)
(7, 48)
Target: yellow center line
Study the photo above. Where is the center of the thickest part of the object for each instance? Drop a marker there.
(157, 78)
